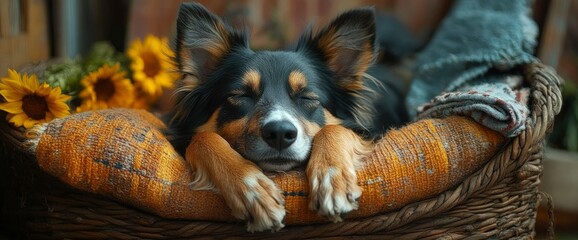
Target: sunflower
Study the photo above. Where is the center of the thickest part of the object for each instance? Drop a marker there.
(29, 102)
(151, 65)
(106, 87)
(141, 101)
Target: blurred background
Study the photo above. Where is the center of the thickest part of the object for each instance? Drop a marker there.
(38, 30)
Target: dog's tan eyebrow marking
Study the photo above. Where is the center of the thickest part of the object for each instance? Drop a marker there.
(297, 81)
(252, 79)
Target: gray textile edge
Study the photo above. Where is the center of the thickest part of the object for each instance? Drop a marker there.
(476, 38)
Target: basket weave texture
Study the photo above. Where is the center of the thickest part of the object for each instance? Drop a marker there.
(498, 201)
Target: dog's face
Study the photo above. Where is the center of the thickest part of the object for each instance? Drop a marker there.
(270, 108)
(269, 104)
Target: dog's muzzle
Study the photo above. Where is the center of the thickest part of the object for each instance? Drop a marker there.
(279, 134)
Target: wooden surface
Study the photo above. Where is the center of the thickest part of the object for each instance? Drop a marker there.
(25, 44)
(278, 23)
(553, 32)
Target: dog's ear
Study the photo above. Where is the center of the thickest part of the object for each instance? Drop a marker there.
(203, 40)
(347, 44)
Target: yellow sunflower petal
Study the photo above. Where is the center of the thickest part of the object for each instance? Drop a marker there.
(55, 91)
(58, 109)
(165, 80)
(12, 107)
(49, 117)
(154, 45)
(13, 74)
(168, 65)
(64, 98)
(137, 64)
(29, 122)
(148, 87)
(119, 75)
(140, 76)
(11, 96)
(57, 96)
(12, 85)
(43, 90)
(18, 119)
(30, 82)
(88, 80)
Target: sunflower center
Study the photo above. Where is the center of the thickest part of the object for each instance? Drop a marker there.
(34, 106)
(152, 65)
(104, 89)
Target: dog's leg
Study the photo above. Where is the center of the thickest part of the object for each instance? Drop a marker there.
(331, 171)
(250, 194)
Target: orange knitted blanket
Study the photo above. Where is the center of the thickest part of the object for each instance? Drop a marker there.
(122, 153)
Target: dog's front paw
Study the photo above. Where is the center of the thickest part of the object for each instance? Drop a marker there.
(257, 200)
(331, 172)
(250, 194)
(334, 192)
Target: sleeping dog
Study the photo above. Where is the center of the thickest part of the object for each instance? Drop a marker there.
(239, 113)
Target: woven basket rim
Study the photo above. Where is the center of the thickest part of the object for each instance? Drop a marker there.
(545, 103)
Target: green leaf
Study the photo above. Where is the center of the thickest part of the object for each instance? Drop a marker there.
(103, 53)
(66, 75)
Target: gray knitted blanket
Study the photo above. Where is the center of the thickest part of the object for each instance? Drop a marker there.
(470, 66)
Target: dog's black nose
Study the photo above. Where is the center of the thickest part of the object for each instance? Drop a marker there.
(279, 134)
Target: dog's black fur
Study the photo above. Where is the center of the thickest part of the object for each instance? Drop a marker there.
(337, 63)
(239, 112)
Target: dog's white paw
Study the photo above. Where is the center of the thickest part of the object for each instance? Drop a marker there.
(334, 192)
(259, 201)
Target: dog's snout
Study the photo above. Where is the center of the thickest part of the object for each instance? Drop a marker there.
(279, 134)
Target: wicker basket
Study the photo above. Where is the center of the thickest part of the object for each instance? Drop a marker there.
(498, 201)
